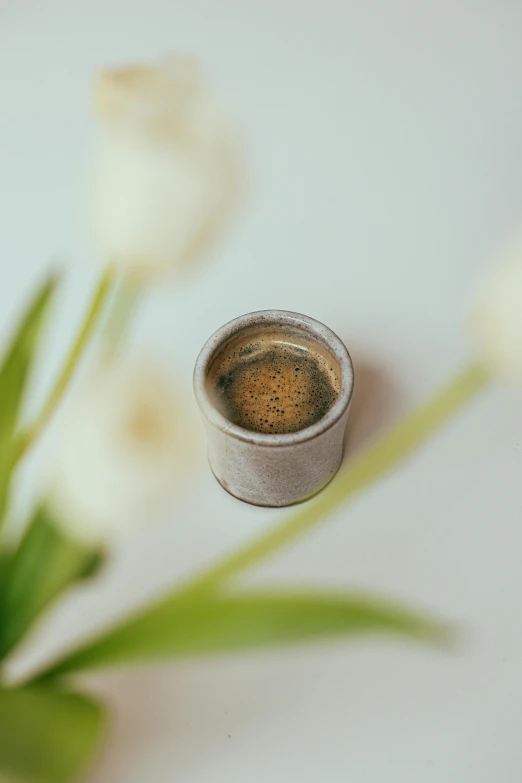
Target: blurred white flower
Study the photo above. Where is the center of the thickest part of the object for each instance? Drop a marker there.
(169, 171)
(124, 453)
(496, 317)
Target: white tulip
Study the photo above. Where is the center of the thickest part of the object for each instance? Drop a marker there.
(168, 172)
(496, 318)
(123, 454)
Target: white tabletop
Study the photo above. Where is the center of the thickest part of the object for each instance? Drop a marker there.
(384, 141)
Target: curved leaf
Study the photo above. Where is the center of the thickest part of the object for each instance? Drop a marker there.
(14, 373)
(46, 735)
(177, 627)
(45, 564)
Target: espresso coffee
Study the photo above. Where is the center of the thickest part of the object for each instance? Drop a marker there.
(273, 381)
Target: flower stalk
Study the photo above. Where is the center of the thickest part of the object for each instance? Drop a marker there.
(33, 431)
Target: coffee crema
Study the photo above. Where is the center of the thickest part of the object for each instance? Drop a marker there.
(271, 380)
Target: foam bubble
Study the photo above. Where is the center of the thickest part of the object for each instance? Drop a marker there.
(274, 386)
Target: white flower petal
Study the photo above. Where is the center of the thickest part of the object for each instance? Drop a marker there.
(496, 318)
(168, 172)
(124, 453)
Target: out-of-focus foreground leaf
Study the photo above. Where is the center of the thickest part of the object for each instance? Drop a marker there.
(46, 735)
(182, 627)
(44, 564)
(14, 374)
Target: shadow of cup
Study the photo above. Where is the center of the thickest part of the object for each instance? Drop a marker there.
(375, 403)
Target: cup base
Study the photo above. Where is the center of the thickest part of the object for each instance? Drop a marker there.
(227, 489)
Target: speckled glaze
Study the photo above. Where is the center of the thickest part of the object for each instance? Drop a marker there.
(274, 469)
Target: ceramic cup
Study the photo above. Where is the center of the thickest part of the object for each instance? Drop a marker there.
(275, 469)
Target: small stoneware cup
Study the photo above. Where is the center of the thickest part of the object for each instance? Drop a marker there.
(275, 469)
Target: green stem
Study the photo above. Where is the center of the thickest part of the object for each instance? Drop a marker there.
(372, 463)
(33, 431)
(120, 315)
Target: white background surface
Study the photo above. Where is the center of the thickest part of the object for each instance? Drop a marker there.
(384, 141)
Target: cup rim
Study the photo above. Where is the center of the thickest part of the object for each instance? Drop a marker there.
(280, 317)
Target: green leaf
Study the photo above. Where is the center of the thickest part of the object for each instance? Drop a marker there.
(45, 563)
(14, 374)
(177, 627)
(5, 556)
(31, 433)
(46, 735)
